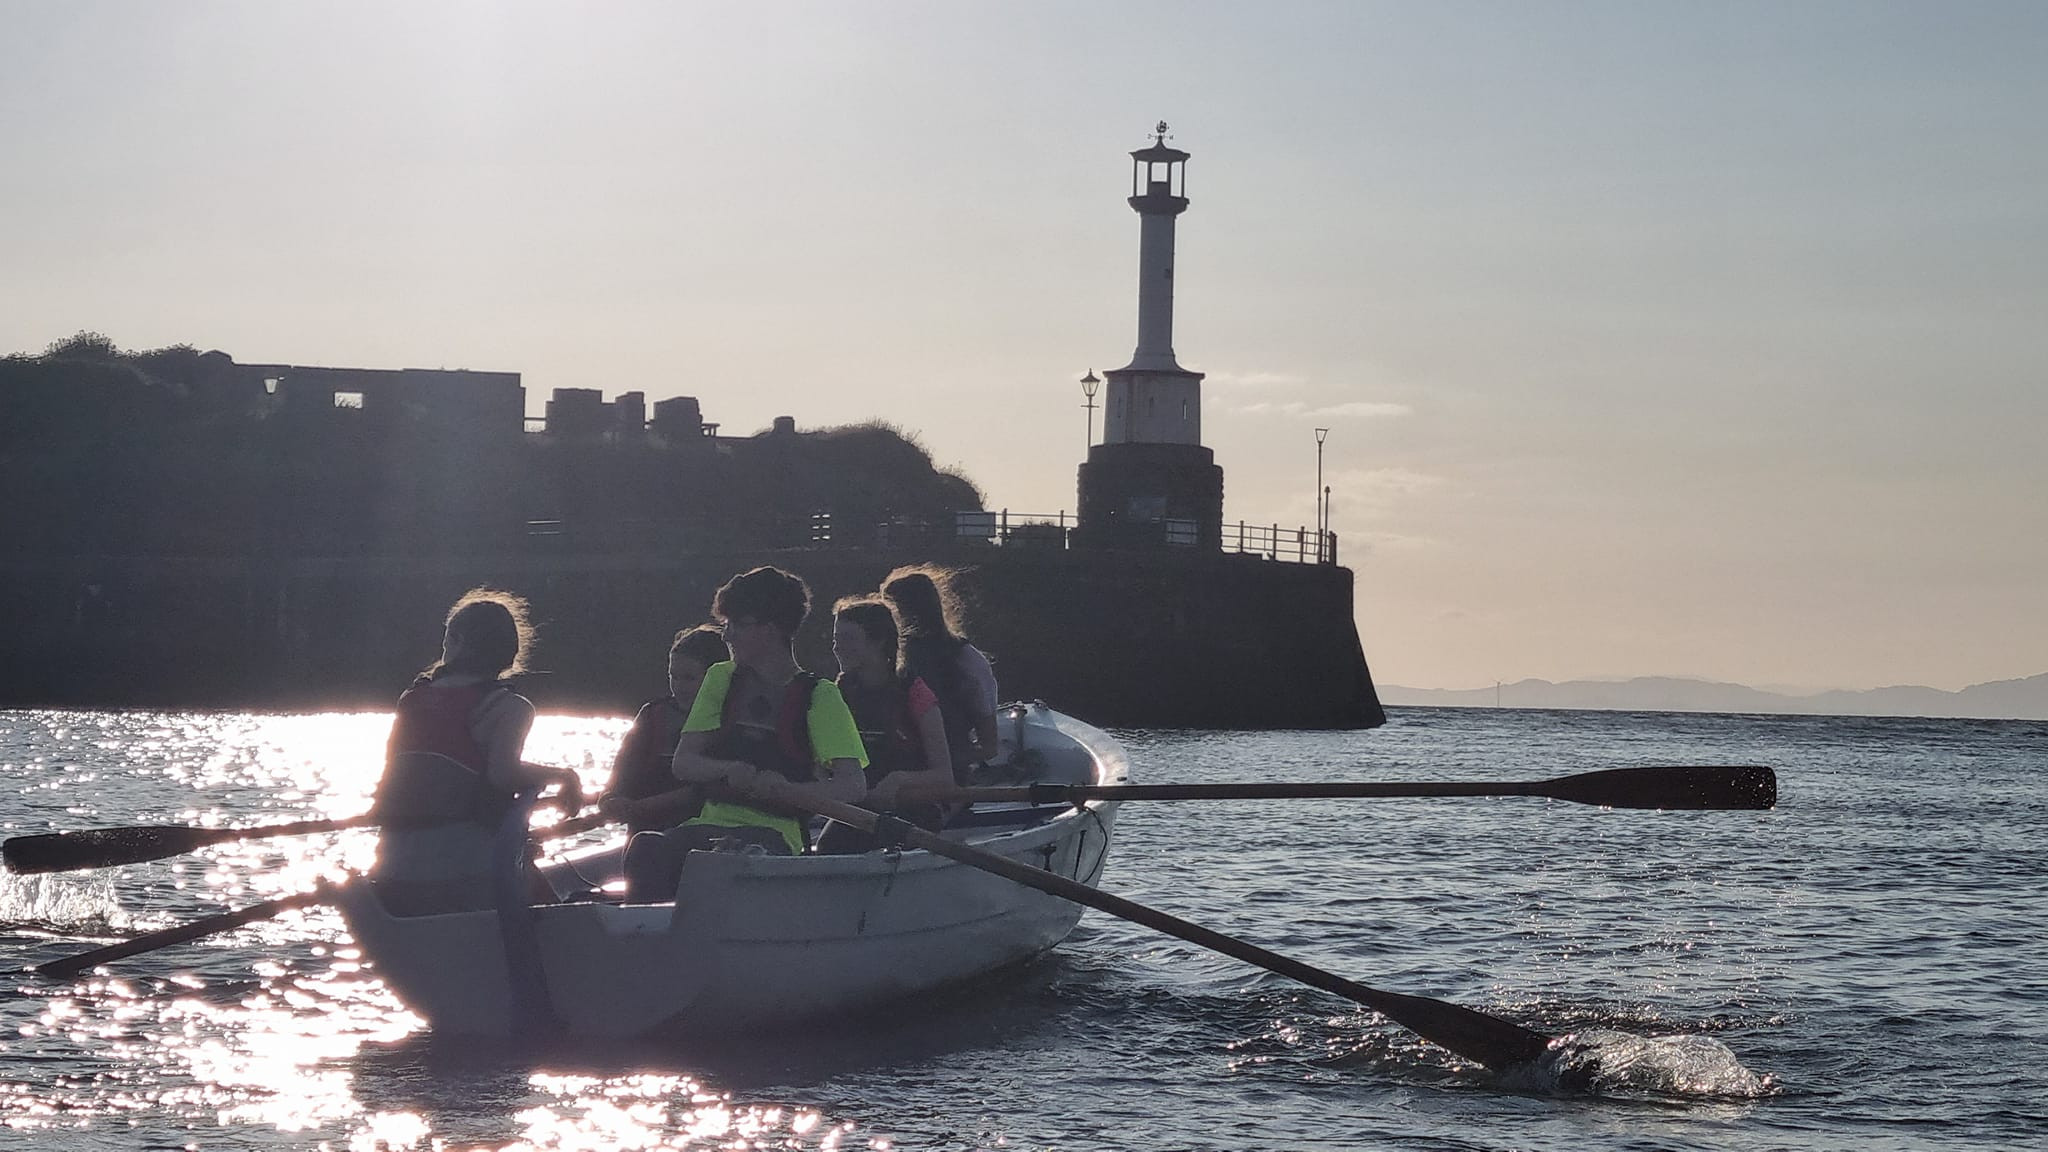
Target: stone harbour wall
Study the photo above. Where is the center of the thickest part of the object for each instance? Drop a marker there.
(1142, 638)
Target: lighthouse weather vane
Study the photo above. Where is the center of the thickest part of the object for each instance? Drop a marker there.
(1159, 134)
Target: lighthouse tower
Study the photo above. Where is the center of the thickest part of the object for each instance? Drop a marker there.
(1150, 482)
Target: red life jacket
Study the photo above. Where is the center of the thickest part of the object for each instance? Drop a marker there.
(435, 771)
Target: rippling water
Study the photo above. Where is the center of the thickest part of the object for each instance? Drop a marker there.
(1862, 967)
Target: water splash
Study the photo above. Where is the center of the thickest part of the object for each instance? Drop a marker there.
(1602, 1062)
(65, 905)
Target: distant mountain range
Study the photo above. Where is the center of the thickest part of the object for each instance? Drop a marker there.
(1997, 700)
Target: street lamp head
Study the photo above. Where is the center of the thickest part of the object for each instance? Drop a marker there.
(1089, 383)
(1322, 434)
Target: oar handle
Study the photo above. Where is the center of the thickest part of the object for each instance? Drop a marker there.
(572, 826)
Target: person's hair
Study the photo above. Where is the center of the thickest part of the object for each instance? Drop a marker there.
(925, 608)
(770, 594)
(923, 599)
(496, 634)
(875, 619)
(705, 644)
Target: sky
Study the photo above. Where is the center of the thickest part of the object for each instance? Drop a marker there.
(1652, 338)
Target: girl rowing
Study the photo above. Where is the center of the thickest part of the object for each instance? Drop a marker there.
(935, 652)
(899, 722)
(643, 783)
(453, 780)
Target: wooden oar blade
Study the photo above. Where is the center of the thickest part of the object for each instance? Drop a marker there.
(103, 847)
(1695, 787)
(1489, 1040)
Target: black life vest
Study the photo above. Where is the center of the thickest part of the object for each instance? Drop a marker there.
(882, 714)
(646, 760)
(780, 744)
(435, 771)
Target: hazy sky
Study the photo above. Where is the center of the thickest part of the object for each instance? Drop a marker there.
(1694, 339)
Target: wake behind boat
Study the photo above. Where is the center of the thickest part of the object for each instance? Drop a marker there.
(751, 939)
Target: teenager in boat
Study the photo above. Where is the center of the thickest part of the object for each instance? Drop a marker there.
(956, 671)
(899, 723)
(760, 726)
(644, 768)
(453, 779)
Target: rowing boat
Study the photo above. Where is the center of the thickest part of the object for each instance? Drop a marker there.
(752, 940)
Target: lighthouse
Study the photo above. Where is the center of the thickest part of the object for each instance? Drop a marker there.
(1151, 482)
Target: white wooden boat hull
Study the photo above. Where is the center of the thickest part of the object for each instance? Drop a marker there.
(754, 940)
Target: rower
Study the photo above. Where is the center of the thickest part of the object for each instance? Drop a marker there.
(959, 673)
(761, 725)
(642, 788)
(452, 769)
(899, 719)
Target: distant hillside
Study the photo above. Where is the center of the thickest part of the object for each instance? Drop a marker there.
(1998, 700)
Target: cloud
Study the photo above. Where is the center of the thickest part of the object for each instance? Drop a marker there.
(1384, 482)
(1253, 381)
(1296, 409)
(1363, 496)
(1383, 542)
(1362, 408)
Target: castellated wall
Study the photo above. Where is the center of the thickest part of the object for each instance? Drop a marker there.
(1161, 638)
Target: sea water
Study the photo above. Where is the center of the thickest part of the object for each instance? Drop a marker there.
(1862, 967)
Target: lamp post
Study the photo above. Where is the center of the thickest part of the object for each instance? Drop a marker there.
(1088, 386)
(1322, 493)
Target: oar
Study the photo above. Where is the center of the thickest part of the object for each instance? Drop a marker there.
(197, 929)
(1696, 788)
(1489, 1040)
(107, 847)
(137, 844)
(228, 921)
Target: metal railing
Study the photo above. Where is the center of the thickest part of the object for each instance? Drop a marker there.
(998, 528)
(1302, 545)
(1002, 528)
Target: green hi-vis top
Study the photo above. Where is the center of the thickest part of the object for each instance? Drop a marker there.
(827, 733)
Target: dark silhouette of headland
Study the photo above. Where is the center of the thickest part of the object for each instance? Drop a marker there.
(188, 531)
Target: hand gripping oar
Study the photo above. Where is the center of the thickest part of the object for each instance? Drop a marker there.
(137, 844)
(228, 921)
(1489, 1040)
(1695, 788)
